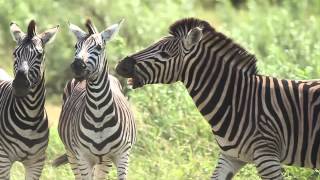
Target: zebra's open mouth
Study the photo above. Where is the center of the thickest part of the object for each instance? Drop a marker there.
(135, 82)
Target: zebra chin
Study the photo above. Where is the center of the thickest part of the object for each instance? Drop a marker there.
(20, 91)
(135, 82)
(80, 76)
(20, 88)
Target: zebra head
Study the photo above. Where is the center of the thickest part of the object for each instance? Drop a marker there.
(89, 57)
(163, 61)
(29, 57)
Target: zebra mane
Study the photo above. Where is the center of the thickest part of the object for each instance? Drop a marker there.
(91, 27)
(243, 56)
(181, 28)
(31, 29)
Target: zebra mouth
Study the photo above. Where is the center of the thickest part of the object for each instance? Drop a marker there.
(21, 85)
(20, 92)
(80, 75)
(135, 82)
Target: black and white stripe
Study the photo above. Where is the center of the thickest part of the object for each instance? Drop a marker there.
(255, 119)
(23, 120)
(96, 123)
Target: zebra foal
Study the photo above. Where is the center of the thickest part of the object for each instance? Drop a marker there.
(23, 120)
(96, 123)
(255, 118)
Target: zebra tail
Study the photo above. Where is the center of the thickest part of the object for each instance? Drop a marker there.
(61, 160)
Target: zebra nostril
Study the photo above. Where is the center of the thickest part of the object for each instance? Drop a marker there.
(21, 80)
(78, 65)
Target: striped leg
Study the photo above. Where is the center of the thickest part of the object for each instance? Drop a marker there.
(226, 168)
(5, 165)
(86, 170)
(34, 167)
(122, 165)
(73, 161)
(101, 170)
(267, 162)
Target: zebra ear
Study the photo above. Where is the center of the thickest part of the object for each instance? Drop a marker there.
(193, 37)
(49, 35)
(16, 32)
(78, 32)
(111, 31)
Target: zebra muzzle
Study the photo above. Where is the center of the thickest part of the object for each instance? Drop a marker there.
(21, 84)
(78, 67)
(125, 67)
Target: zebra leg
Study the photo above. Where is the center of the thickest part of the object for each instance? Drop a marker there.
(73, 161)
(268, 163)
(5, 166)
(34, 167)
(101, 170)
(85, 169)
(226, 168)
(122, 165)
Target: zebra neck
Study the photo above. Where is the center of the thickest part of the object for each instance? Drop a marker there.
(99, 100)
(31, 107)
(217, 84)
(224, 98)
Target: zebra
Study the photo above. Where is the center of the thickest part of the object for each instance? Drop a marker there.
(4, 75)
(23, 119)
(254, 118)
(96, 124)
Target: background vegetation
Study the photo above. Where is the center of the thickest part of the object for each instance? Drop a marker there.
(174, 141)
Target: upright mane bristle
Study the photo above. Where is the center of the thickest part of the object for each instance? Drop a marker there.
(31, 29)
(91, 27)
(183, 26)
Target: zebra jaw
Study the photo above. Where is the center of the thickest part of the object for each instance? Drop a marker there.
(130, 81)
(20, 92)
(134, 82)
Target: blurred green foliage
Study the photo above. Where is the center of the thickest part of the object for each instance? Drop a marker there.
(144, 20)
(174, 141)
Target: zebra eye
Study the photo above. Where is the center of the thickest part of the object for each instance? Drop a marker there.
(164, 55)
(98, 47)
(39, 56)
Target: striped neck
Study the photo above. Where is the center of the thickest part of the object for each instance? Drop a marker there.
(99, 107)
(216, 79)
(31, 107)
